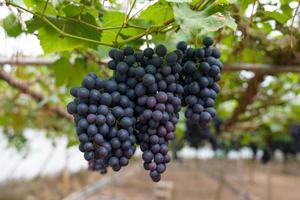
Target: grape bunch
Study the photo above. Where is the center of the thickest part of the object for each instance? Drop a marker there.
(104, 121)
(158, 108)
(138, 105)
(267, 156)
(196, 134)
(150, 79)
(201, 69)
(295, 136)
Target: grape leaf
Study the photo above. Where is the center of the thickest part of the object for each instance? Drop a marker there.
(72, 10)
(158, 13)
(34, 24)
(230, 22)
(110, 19)
(180, 1)
(115, 19)
(190, 20)
(279, 17)
(40, 6)
(224, 2)
(52, 41)
(12, 26)
(61, 66)
(72, 142)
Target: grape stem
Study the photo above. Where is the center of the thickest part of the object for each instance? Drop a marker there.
(153, 29)
(125, 21)
(149, 30)
(98, 28)
(61, 32)
(147, 40)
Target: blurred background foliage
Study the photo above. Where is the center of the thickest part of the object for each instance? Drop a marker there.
(259, 41)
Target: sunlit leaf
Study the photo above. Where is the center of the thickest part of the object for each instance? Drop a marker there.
(157, 13)
(12, 26)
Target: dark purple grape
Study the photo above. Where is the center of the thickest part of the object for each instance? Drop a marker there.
(207, 41)
(128, 51)
(106, 99)
(171, 58)
(151, 102)
(148, 52)
(126, 122)
(115, 143)
(118, 55)
(113, 161)
(123, 161)
(103, 109)
(122, 67)
(147, 156)
(83, 138)
(160, 50)
(157, 115)
(148, 79)
(158, 158)
(155, 176)
(72, 107)
(123, 135)
(110, 119)
(99, 139)
(161, 97)
(181, 46)
(102, 152)
(91, 118)
(161, 168)
(82, 109)
(88, 146)
(83, 124)
(88, 82)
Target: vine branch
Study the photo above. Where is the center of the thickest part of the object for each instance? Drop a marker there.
(246, 99)
(125, 21)
(24, 88)
(148, 30)
(61, 32)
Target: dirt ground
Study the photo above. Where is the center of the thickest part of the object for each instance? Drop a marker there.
(195, 180)
(188, 180)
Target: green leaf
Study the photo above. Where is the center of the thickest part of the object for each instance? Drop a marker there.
(72, 142)
(40, 6)
(61, 66)
(72, 10)
(180, 1)
(34, 24)
(279, 17)
(78, 72)
(219, 2)
(110, 19)
(230, 21)
(212, 23)
(52, 41)
(266, 27)
(192, 21)
(114, 19)
(251, 55)
(243, 5)
(12, 26)
(158, 13)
